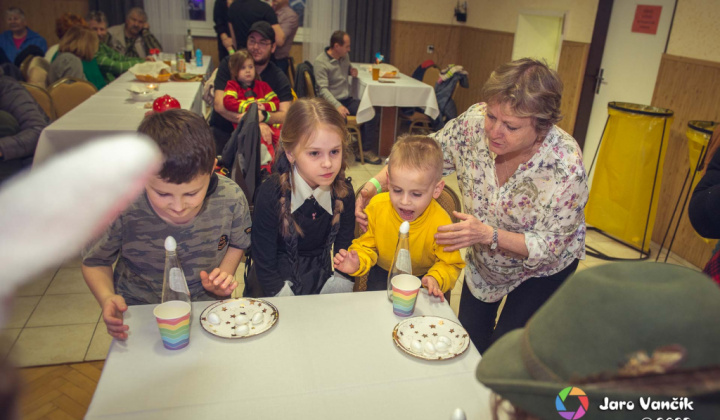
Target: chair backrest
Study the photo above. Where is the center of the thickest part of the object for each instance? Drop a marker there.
(431, 76)
(309, 86)
(67, 93)
(42, 97)
(291, 71)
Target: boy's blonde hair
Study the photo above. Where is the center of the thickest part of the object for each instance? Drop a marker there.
(417, 152)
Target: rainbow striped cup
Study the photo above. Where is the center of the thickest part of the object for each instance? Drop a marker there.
(405, 290)
(173, 319)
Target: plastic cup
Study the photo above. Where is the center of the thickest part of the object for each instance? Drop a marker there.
(375, 73)
(405, 290)
(173, 319)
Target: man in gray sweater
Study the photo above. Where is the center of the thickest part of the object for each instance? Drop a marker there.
(332, 68)
(21, 121)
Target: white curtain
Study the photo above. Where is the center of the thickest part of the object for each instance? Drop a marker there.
(322, 18)
(168, 22)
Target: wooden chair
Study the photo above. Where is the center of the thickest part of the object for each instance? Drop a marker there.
(418, 120)
(42, 97)
(67, 93)
(291, 71)
(351, 123)
(448, 200)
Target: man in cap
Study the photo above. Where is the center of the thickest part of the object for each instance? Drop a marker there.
(261, 45)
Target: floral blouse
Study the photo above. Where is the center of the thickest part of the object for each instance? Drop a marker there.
(544, 199)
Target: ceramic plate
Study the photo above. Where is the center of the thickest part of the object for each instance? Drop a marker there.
(431, 338)
(229, 311)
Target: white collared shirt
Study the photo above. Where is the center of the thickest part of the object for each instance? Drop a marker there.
(301, 191)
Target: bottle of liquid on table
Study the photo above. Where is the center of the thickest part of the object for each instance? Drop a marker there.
(401, 263)
(174, 284)
(188, 47)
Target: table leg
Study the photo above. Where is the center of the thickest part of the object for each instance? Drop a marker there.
(388, 128)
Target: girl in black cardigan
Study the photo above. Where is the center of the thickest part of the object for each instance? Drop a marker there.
(305, 208)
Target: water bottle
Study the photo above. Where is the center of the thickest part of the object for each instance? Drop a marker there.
(188, 47)
(174, 284)
(401, 263)
(198, 58)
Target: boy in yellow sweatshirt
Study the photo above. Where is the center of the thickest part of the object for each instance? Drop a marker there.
(415, 180)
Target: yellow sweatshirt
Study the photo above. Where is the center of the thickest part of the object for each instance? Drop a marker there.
(377, 245)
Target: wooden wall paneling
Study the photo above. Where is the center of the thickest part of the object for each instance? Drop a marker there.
(688, 87)
(481, 51)
(41, 14)
(208, 46)
(571, 68)
(410, 40)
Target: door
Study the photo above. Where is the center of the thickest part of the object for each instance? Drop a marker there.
(629, 67)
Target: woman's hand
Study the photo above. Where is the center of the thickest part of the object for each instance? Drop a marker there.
(468, 232)
(362, 200)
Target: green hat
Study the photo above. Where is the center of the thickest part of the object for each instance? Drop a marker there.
(619, 331)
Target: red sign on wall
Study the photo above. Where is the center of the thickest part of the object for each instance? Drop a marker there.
(646, 19)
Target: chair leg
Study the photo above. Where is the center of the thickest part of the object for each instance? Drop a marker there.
(360, 147)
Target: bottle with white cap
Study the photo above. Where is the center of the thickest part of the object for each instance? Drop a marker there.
(174, 284)
(401, 263)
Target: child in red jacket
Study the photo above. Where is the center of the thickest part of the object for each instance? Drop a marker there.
(247, 89)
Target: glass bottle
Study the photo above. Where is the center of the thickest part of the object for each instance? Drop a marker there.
(174, 284)
(188, 47)
(401, 263)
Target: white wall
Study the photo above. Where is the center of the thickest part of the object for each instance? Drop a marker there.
(696, 30)
(501, 15)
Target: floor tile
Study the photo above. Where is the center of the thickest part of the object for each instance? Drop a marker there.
(7, 339)
(100, 343)
(68, 281)
(75, 262)
(65, 310)
(616, 250)
(23, 307)
(38, 285)
(52, 345)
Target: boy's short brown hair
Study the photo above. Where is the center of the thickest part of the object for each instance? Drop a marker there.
(417, 152)
(186, 143)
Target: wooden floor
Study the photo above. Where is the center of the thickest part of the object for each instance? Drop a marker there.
(58, 392)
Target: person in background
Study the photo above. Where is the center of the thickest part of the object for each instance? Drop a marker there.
(21, 121)
(261, 44)
(288, 21)
(133, 39)
(62, 24)
(222, 28)
(332, 68)
(112, 64)
(19, 37)
(243, 14)
(524, 188)
(76, 57)
(704, 207)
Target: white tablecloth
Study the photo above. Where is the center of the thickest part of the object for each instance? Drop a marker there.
(404, 91)
(112, 111)
(328, 357)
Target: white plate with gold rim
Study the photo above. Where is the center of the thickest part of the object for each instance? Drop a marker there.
(239, 318)
(431, 338)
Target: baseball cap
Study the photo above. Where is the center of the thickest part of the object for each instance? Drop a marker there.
(264, 29)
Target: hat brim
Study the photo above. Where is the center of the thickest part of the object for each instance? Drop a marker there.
(503, 371)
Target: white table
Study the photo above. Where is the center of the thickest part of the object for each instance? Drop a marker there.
(112, 111)
(328, 357)
(400, 92)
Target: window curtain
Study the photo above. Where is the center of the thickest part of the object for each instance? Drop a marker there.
(169, 22)
(322, 18)
(115, 10)
(368, 24)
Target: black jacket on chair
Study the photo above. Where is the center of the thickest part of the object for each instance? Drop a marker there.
(242, 153)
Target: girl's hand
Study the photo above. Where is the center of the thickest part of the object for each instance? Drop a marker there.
(218, 282)
(347, 262)
(468, 232)
(433, 287)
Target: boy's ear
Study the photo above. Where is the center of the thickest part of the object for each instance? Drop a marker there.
(438, 189)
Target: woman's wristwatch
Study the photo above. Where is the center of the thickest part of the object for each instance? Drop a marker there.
(494, 243)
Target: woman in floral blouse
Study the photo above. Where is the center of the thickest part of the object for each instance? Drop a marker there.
(524, 189)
